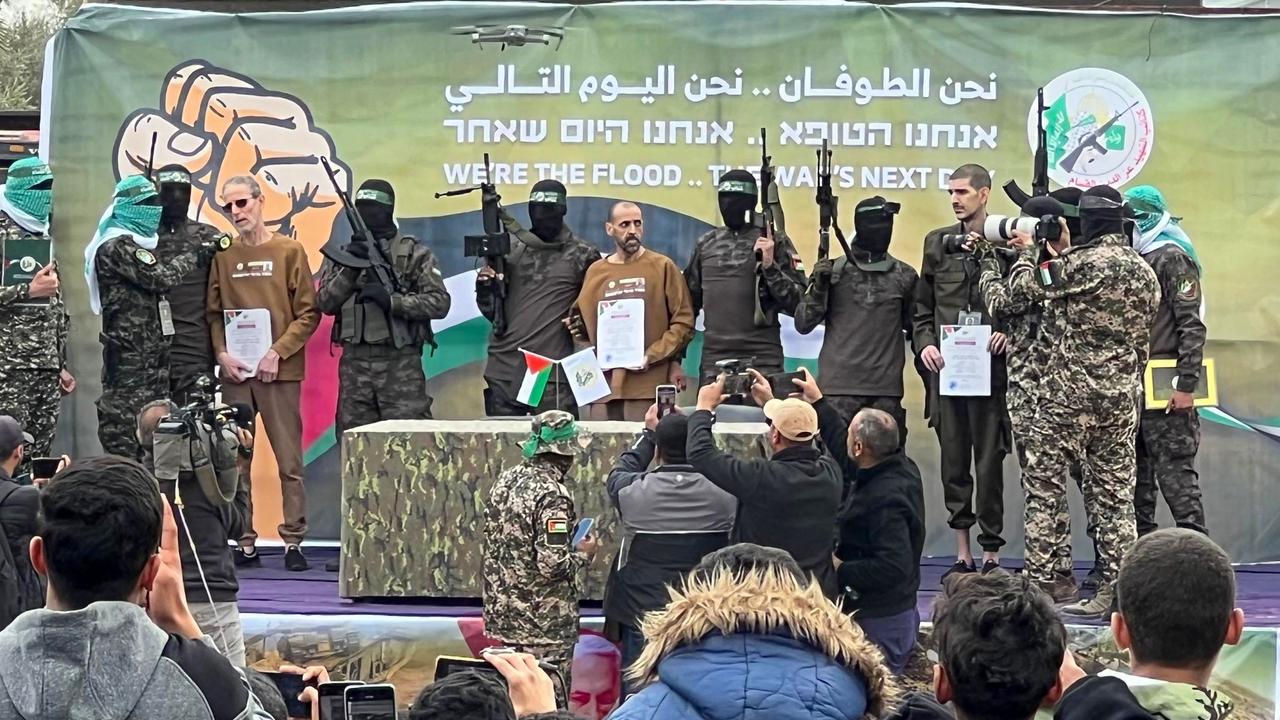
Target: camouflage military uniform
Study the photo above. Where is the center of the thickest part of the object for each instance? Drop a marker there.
(543, 282)
(376, 379)
(190, 348)
(1098, 309)
(1167, 442)
(135, 351)
(722, 268)
(1025, 356)
(530, 570)
(35, 340)
(868, 315)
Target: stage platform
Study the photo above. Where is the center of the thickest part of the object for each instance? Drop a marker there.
(299, 617)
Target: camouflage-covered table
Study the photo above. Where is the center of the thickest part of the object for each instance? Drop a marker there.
(414, 494)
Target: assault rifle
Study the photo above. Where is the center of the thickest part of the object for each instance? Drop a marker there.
(828, 212)
(1039, 165)
(494, 245)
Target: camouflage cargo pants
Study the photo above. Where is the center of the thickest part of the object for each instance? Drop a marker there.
(849, 405)
(124, 391)
(1102, 444)
(1167, 445)
(378, 382)
(33, 398)
(1021, 414)
(559, 655)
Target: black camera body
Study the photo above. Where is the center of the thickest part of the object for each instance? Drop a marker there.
(493, 245)
(1048, 229)
(953, 243)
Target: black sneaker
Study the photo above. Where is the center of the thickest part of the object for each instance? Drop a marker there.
(960, 568)
(990, 565)
(1091, 580)
(246, 559)
(294, 560)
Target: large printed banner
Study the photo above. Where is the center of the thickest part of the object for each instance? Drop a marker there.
(652, 102)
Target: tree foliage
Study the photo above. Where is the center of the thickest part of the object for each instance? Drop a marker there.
(23, 36)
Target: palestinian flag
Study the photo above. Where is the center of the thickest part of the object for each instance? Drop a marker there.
(537, 373)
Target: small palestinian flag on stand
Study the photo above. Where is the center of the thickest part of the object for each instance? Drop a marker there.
(537, 374)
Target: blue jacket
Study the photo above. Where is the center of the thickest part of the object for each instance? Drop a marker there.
(749, 677)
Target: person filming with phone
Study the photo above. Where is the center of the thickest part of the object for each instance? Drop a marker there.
(671, 517)
(531, 563)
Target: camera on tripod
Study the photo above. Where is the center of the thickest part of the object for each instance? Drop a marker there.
(202, 437)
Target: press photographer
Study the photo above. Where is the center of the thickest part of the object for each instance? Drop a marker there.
(199, 453)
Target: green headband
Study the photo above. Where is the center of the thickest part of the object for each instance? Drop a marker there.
(174, 176)
(737, 186)
(547, 196)
(549, 436)
(375, 195)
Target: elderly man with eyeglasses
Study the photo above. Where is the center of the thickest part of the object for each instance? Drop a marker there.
(265, 270)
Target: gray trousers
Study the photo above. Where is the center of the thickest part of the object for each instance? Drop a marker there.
(221, 621)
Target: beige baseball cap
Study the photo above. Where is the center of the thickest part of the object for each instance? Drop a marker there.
(793, 417)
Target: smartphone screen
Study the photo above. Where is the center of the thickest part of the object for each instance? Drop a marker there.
(333, 703)
(291, 687)
(665, 396)
(583, 528)
(44, 468)
(371, 702)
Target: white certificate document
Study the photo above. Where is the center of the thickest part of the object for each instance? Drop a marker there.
(248, 334)
(586, 378)
(966, 369)
(620, 333)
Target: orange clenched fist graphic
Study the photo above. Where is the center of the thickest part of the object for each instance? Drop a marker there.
(219, 124)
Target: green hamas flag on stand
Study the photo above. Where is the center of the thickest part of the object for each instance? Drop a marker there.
(537, 372)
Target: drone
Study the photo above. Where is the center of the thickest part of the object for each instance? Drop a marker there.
(512, 35)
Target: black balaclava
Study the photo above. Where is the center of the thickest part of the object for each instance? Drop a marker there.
(873, 225)
(376, 203)
(737, 197)
(1101, 213)
(1069, 197)
(548, 202)
(175, 194)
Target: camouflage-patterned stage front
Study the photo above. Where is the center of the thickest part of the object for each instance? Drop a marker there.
(414, 493)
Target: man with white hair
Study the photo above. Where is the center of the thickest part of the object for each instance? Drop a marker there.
(269, 271)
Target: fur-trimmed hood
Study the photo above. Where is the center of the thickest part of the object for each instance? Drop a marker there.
(713, 609)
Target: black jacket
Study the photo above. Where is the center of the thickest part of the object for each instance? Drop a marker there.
(21, 589)
(670, 518)
(881, 526)
(1092, 698)
(787, 502)
(212, 525)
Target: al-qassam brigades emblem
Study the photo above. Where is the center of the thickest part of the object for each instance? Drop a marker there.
(1098, 126)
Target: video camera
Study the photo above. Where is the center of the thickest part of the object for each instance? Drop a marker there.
(202, 437)
(998, 230)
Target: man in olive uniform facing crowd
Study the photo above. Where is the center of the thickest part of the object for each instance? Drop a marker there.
(542, 279)
(867, 301)
(742, 279)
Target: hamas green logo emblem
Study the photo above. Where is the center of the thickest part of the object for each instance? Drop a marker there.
(144, 256)
(224, 241)
(1099, 128)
